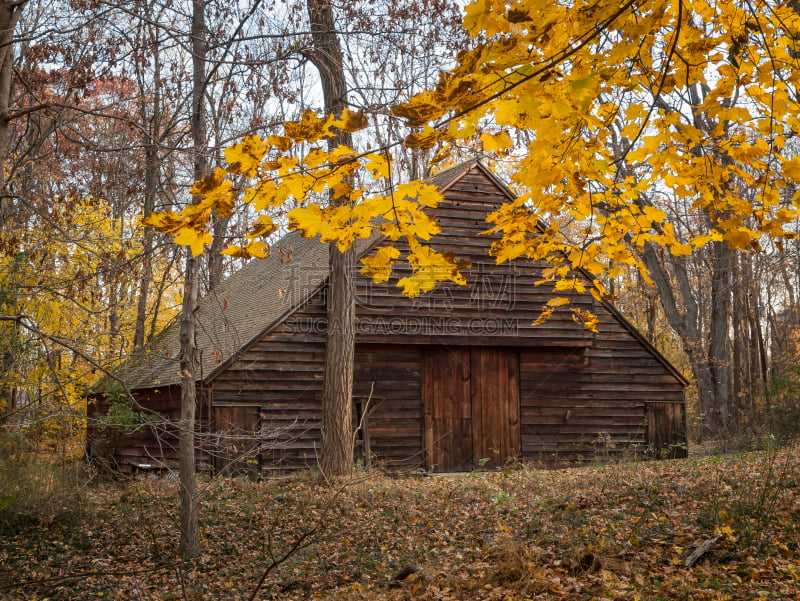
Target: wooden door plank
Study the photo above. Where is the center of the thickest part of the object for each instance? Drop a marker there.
(476, 406)
(495, 397)
(514, 407)
(448, 412)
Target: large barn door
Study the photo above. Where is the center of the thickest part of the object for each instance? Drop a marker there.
(471, 398)
(448, 413)
(495, 405)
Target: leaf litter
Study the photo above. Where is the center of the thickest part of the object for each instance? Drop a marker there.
(619, 531)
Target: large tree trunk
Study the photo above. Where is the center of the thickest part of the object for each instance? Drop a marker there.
(189, 545)
(10, 13)
(337, 393)
(685, 322)
(718, 355)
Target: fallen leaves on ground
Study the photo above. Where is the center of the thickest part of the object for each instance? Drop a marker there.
(618, 531)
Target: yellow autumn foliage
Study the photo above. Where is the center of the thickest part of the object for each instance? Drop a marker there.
(633, 112)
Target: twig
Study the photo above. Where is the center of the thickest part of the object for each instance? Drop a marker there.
(8, 587)
(702, 550)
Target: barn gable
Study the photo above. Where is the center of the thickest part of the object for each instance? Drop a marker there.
(431, 371)
(450, 380)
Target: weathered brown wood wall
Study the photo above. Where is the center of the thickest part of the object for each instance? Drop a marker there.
(153, 443)
(280, 377)
(578, 394)
(390, 376)
(470, 399)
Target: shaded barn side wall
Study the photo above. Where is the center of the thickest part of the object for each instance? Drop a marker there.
(580, 404)
(153, 443)
(279, 380)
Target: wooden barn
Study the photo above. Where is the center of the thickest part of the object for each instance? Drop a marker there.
(449, 381)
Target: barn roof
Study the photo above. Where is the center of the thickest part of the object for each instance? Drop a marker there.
(261, 294)
(243, 306)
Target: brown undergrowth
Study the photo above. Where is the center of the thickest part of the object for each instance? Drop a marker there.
(610, 532)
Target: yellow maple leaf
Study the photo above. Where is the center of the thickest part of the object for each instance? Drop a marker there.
(310, 128)
(739, 237)
(430, 267)
(543, 316)
(245, 157)
(499, 141)
(195, 239)
(379, 166)
(701, 240)
(569, 284)
(210, 183)
(307, 220)
(351, 121)
(282, 143)
(587, 319)
(421, 109)
(379, 267)
(425, 139)
(653, 214)
(558, 302)
(253, 249)
(168, 222)
(264, 226)
(791, 168)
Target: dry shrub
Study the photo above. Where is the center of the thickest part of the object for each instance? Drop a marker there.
(509, 562)
(40, 486)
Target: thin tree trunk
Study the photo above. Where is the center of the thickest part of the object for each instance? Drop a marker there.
(215, 255)
(718, 356)
(337, 394)
(740, 330)
(152, 171)
(189, 545)
(651, 312)
(10, 13)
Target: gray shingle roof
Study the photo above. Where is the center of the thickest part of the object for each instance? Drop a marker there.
(243, 307)
(238, 310)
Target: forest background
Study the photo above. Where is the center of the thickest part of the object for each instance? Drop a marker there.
(107, 115)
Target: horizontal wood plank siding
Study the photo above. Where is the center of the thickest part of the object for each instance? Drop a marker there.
(584, 403)
(281, 376)
(152, 444)
(498, 305)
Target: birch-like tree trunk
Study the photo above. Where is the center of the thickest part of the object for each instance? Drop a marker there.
(189, 545)
(152, 170)
(10, 13)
